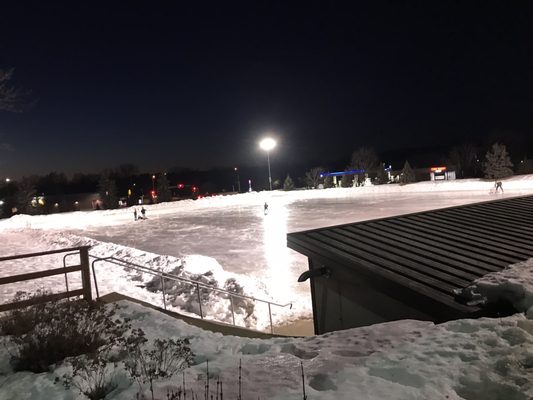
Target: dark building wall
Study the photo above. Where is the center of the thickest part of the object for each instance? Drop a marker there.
(345, 300)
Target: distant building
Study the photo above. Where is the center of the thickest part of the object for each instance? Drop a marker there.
(70, 202)
(441, 174)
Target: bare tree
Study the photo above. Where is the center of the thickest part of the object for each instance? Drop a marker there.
(10, 97)
(365, 159)
(312, 177)
(464, 158)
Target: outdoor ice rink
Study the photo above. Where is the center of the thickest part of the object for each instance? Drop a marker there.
(225, 236)
(245, 241)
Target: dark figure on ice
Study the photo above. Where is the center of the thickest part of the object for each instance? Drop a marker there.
(143, 212)
(498, 185)
(135, 214)
(265, 208)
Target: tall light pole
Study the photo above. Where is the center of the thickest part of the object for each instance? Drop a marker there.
(238, 180)
(268, 144)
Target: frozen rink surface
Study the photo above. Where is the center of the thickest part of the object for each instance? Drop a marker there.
(245, 241)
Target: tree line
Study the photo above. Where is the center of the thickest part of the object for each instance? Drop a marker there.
(464, 159)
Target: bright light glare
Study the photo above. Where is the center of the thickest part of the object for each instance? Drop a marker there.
(267, 144)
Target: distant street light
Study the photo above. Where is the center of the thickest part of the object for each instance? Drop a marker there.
(8, 180)
(268, 144)
(238, 180)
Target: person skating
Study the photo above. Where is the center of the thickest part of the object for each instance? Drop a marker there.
(498, 185)
(265, 208)
(143, 212)
(135, 214)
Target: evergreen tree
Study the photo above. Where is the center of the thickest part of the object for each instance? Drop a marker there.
(163, 189)
(498, 164)
(108, 191)
(288, 184)
(407, 175)
(347, 180)
(381, 176)
(328, 182)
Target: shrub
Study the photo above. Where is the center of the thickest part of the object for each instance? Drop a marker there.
(92, 374)
(62, 329)
(164, 359)
(22, 320)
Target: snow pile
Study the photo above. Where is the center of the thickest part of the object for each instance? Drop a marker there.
(513, 284)
(485, 359)
(180, 297)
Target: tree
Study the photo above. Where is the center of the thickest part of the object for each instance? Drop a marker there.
(9, 96)
(328, 182)
(25, 194)
(498, 164)
(108, 191)
(288, 184)
(464, 159)
(163, 188)
(365, 159)
(312, 177)
(126, 171)
(381, 176)
(347, 180)
(53, 183)
(407, 175)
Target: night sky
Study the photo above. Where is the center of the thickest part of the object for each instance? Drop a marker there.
(164, 84)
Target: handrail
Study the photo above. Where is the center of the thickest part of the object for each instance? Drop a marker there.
(164, 275)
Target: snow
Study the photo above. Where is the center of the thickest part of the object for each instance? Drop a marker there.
(229, 238)
(467, 359)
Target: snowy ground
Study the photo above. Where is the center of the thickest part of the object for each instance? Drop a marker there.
(467, 359)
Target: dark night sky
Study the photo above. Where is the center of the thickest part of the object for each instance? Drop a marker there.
(162, 84)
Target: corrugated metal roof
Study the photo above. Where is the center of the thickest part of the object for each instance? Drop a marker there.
(433, 253)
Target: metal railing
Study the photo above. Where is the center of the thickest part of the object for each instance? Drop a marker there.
(163, 276)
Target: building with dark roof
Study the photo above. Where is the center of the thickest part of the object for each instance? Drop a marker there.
(412, 266)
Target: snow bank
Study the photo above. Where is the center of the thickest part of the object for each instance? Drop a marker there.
(513, 284)
(487, 359)
(180, 297)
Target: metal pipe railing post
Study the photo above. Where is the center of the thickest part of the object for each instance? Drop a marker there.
(94, 278)
(65, 266)
(199, 300)
(163, 291)
(232, 309)
(270, 316)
